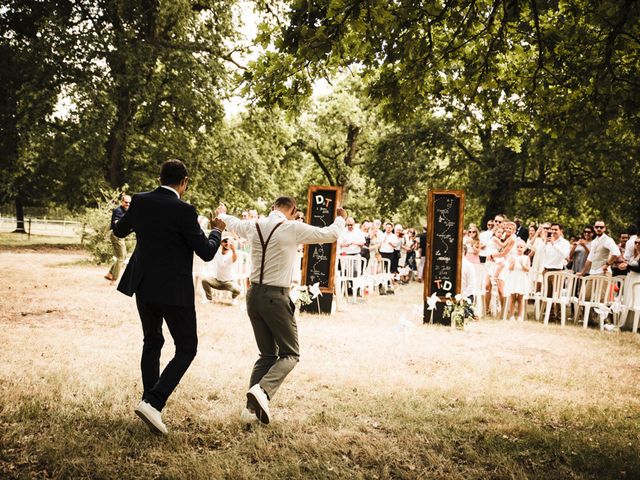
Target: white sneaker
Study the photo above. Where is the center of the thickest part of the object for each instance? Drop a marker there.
(260, 403)
(247, 417)
(151, 417)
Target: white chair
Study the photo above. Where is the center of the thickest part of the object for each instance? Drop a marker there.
(384, 275)
(557, 288)
(616, 300)
(351, 267)
(595, 292)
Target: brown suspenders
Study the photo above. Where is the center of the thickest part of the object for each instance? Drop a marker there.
(264, 247)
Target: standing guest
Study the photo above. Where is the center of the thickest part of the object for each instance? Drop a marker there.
(388, 245)
(411, 245)
(632, 277)
(580, 250)
(399, 253)
(503, 257)
(422, 252)
(619, 267)
(223, 267)
(485, 237)
(518, 279)
(269, 307)
(521, 231)
(556, 249)
(352, 239)
(468, 281)
(629, 247)
(365, 227)
(603, 254)
(472, 241)
(119, 245)
(160, 275)
(535, 244)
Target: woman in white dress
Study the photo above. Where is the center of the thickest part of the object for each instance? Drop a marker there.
(535, 244)
(518, 279)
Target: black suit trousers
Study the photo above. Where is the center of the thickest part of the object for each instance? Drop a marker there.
(181, 322)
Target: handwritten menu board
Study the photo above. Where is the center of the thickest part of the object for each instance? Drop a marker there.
(443, 261)
(318, 264)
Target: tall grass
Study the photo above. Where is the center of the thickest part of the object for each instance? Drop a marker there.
(369, 399)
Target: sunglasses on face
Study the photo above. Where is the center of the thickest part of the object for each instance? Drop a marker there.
(598, 227)
(636, 242)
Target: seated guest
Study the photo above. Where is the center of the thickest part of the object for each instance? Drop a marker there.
(223, 265)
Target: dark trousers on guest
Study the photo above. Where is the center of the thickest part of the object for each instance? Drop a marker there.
(181, 322)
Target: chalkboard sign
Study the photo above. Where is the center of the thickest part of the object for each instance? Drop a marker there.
(443, 260)
(318, 264)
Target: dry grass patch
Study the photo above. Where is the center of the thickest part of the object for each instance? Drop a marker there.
(369, 399)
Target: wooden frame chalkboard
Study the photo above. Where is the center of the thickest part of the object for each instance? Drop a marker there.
(319, 261)
(443, 260)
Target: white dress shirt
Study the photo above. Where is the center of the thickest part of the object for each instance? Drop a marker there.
(352, 241)
(556, 253)
(485, 237)
(282, 248)
(602, 248)
(389, 242)
(629, 246)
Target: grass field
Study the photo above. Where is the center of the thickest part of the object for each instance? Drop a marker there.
(369, 399)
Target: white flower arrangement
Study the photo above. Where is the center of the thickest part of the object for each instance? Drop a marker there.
(458, 310)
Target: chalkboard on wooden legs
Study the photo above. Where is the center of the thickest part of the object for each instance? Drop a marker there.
(443, 260)
(318, 263)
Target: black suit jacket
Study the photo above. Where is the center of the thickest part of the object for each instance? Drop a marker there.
(522, 232)
(168, 234)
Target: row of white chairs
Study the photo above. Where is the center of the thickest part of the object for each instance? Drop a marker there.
(358, 274)
(600, 293)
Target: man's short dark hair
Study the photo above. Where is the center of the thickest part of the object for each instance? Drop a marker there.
(559, 225)
(286, 202)
(172, 172)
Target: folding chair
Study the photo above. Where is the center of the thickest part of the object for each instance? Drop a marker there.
(557, 288)
(594, 292)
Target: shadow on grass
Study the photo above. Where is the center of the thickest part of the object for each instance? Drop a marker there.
(410, 437)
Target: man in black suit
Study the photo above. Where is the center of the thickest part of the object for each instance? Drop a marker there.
(160, 274)
(521, 231)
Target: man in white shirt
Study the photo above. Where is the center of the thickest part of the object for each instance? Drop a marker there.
(630, 245)
(485, 238)
(603, 254)
(556, 249)
(352, 239)
(388, 243)
(223, 268)
(269, 307)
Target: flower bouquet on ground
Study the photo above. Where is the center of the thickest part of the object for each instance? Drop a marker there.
(304, 294)
(458, 310)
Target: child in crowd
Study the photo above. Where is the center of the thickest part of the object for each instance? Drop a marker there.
(518, 279)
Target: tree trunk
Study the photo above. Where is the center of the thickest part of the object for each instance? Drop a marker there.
(502, 191)
(19, 215)
(116, 144)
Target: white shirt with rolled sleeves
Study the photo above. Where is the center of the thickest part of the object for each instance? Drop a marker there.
(282, 249)
(602, 248)
(556, 253)
(352, 241)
